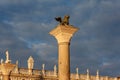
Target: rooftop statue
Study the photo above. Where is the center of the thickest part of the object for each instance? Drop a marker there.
(7, 57)
(1, 61)
(77, 70)
(64, 21)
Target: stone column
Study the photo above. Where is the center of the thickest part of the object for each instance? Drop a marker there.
(63, 34)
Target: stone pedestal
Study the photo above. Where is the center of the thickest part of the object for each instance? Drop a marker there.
(6, 69)
(63, 34)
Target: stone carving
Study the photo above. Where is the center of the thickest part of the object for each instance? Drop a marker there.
(1, 61)
(30, 65)
(77, 70)
(30, 62)
(43, 69)
(17, 62)
(97, 75)
(77, 73)
(55, 70)
(16, 68)
(88, 75)
(43, 66)
(87, 71)
(65, 20)
(97, 72)
(7, 57)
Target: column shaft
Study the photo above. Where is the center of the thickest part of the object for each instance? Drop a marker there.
(63, 35)
(64, 61)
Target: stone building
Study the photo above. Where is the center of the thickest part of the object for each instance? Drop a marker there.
(9, 71)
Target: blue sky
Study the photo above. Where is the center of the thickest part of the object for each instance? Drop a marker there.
(25, 24)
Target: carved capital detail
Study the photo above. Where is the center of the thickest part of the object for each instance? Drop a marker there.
(63, 33)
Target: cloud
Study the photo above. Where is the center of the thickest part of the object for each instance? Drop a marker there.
(25, 24)
(45, 50)
(12, 2)
(98, 36)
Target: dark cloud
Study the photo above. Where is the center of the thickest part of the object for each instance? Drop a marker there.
(25, 24)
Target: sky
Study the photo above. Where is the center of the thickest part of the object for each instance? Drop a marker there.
(25, 27)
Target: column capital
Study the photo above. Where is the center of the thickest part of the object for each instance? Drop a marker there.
(63, 33)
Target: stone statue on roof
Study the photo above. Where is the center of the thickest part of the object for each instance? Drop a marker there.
(1, 61)
(7, 57)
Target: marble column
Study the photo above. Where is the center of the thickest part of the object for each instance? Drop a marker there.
(63, 35)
